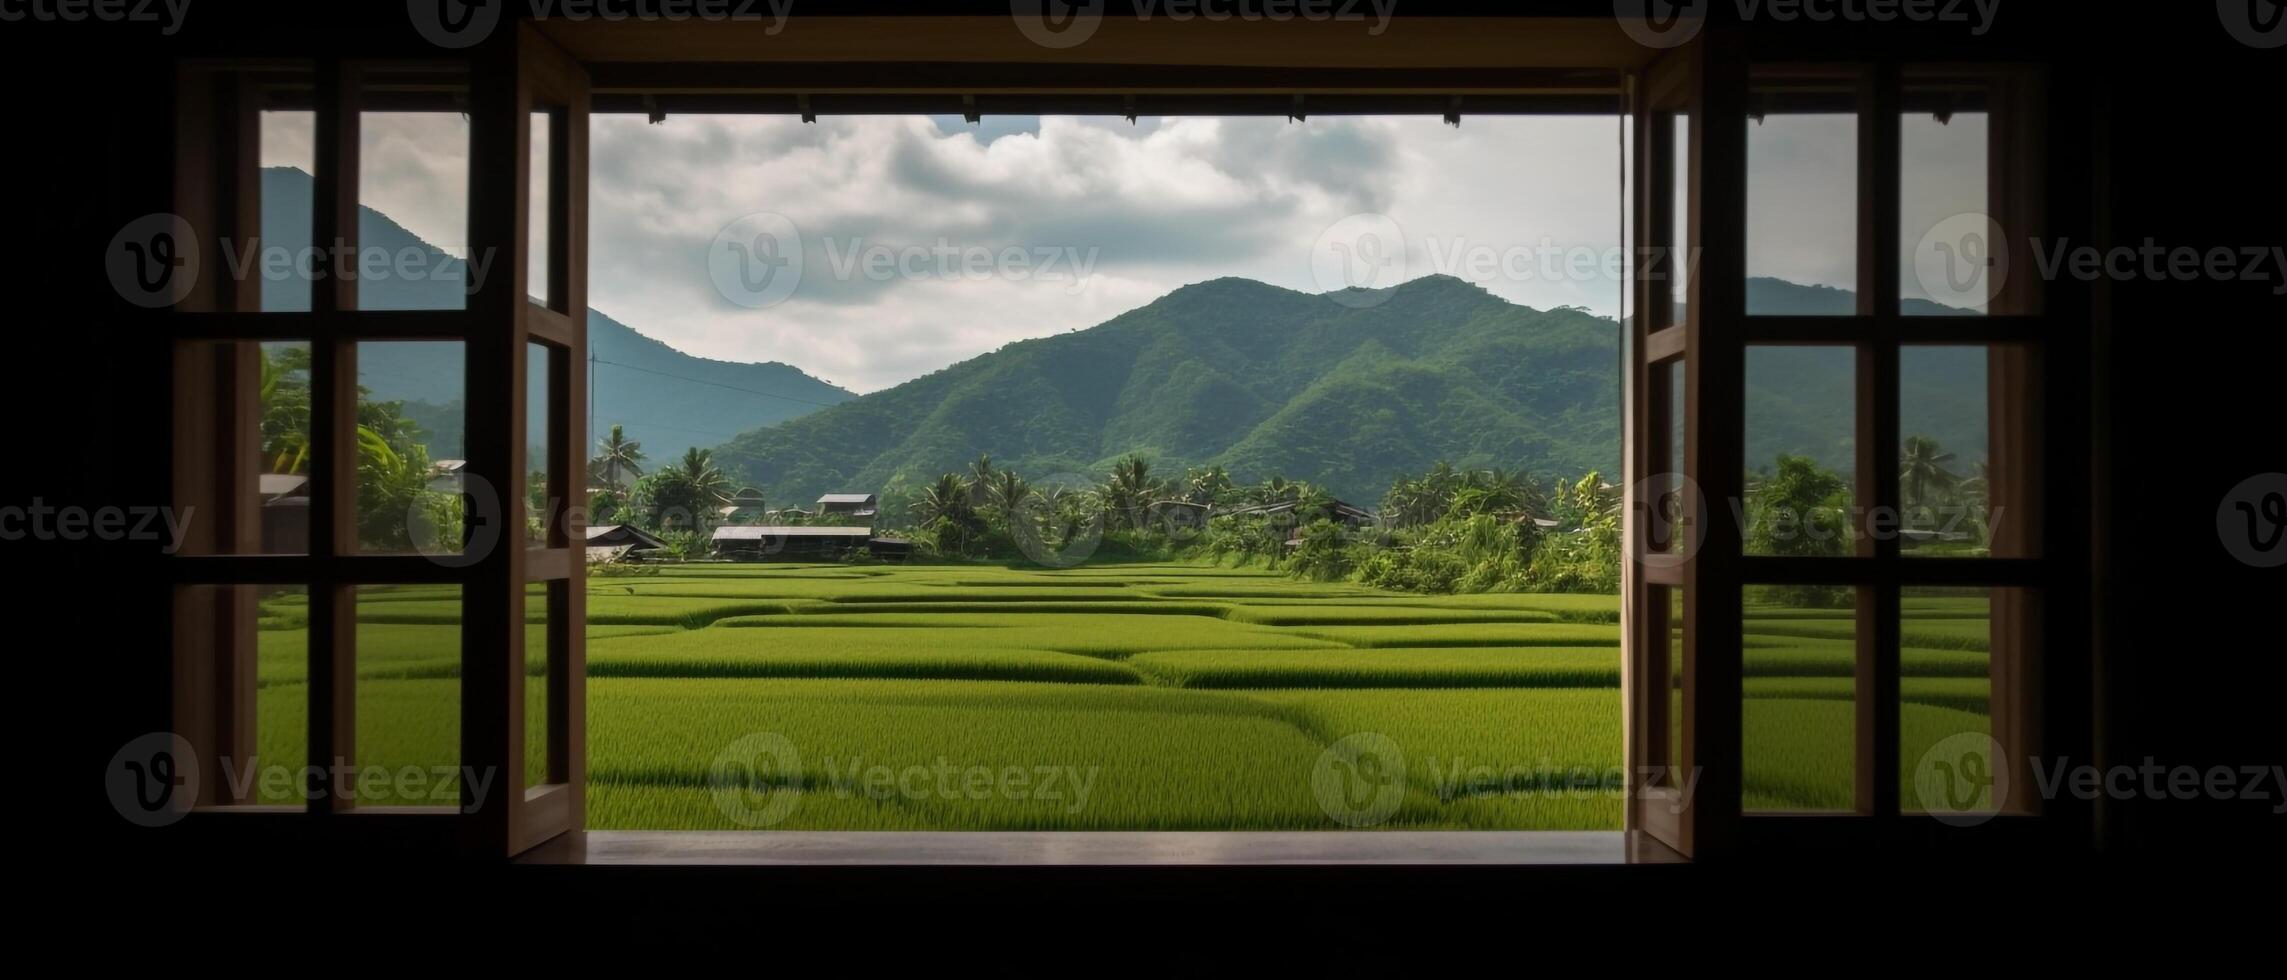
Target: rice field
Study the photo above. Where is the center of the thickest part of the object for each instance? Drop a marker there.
(1170, 697)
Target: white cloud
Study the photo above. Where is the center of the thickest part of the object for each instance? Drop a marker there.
(1153, 206)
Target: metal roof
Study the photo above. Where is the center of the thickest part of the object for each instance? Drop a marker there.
(758, 532)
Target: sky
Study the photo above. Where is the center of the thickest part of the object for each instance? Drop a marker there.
(926, 240)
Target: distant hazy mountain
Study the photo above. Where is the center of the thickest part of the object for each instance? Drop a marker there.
(666, 399)
(1268, 381)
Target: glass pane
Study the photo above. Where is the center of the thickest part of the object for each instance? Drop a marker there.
(413, 212)
(1676, 647)
(536, 236)
(1942, 473)
(1949, 244)
(1802, 200)
(1682, 257)
(1669, 530)
(263, 630)
(538, 598)
(541, 498)
(1801, 443)
(246, 468)
(289, 166)
(1799, 720)
(410, 432)
(408, 695)
(1945, 687)
(281, 690)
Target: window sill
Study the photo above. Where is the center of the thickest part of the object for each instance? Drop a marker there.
(1098, 849)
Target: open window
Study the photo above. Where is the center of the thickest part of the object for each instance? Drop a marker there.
(379, 426)
(1835, 592)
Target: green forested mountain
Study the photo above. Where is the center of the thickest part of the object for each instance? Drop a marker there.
(1259, 379)
(1268, 381)
(666, 399)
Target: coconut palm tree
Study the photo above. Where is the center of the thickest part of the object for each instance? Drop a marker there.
(1129, 488)
(618, 458)
(947, 499)
(1007, 491)
(707, 481)
(1922, 468)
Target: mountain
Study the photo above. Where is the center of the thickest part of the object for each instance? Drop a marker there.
(1349, 394)
(1259, 379)
(665, 398)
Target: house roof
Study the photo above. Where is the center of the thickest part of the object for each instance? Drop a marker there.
(622, 534)
(761, 532)
(1339, 507)
(846, 498)
(280, 484)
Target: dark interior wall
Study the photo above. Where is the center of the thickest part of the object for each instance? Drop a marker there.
(2190, 404)
(2185, 399)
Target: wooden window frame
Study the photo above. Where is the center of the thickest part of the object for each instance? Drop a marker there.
(1711, 81)
(515, 69)
(218, 186)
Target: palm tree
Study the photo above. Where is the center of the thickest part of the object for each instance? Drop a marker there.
(1207, 486)
(706, 480)
(1274, 490)
(1922, 467)
(618, 456)
(947, 499)
(1127, 491)
(1007, 491)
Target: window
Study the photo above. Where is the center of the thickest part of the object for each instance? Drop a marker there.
(1888, 396)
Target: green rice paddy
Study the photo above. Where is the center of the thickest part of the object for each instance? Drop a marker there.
(1103, 697)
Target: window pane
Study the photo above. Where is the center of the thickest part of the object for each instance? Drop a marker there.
(536, 237)
(1802, 200)
(1949, 245)
(1663, 527)
(538, 598)
(1682, 258)
(245, 469)
(541, 498)
(1945, 689)
(410, 432)
(257, 636)
(1942, 473)
(1800, 717)
(408, 695)
(1801, 443)
(289, 167)
(413, 212)
(281, 690)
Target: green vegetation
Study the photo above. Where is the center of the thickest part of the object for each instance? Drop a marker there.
(1189, 696)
